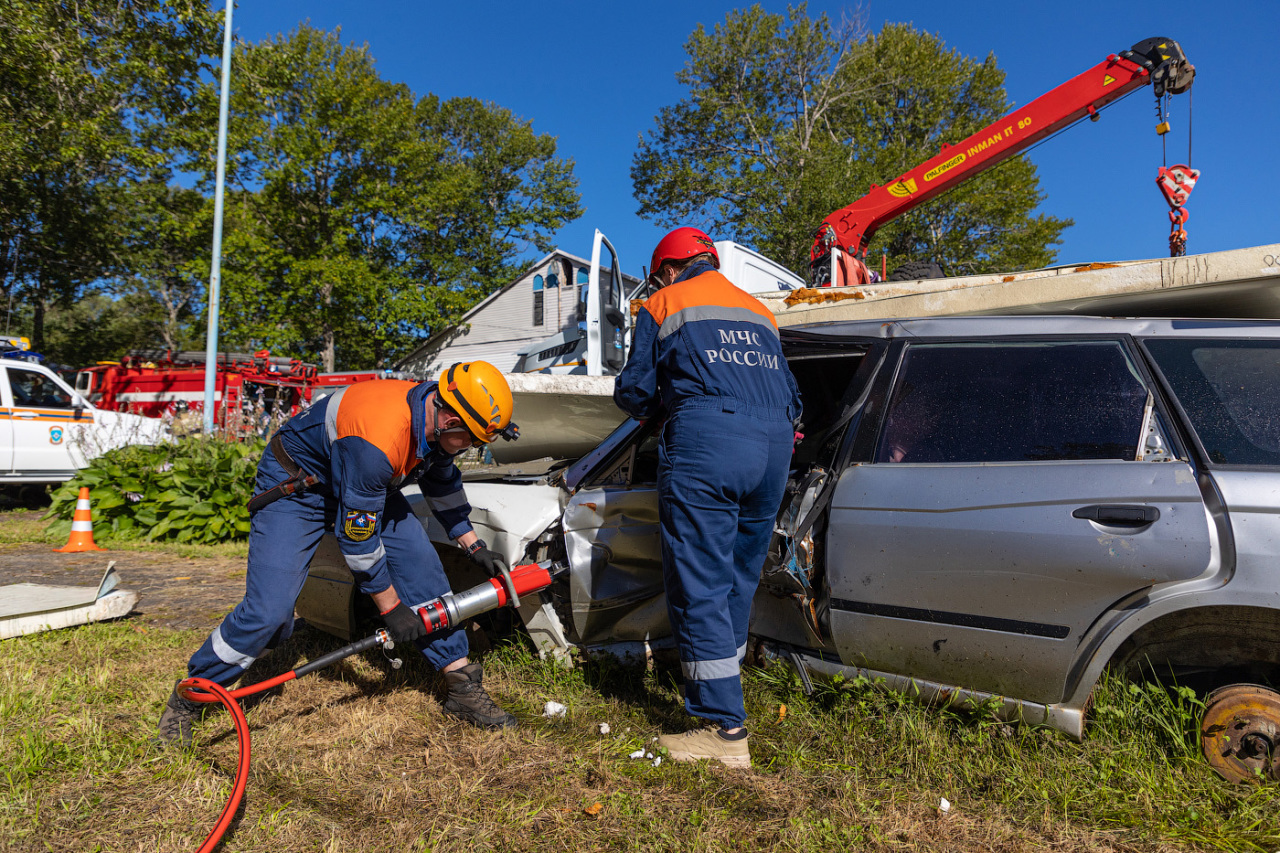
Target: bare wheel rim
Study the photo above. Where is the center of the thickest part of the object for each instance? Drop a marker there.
(1240, 732)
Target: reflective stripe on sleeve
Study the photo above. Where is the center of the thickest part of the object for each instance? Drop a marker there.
(365, 562)
(453, 500)
(331, 416)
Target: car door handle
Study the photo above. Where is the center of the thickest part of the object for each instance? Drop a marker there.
(26, 416)
(1119, 515)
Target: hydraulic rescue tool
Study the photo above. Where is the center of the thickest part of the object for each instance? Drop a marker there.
(449, 610)
(1158, 61)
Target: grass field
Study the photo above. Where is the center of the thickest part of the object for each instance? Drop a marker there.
(361, 758)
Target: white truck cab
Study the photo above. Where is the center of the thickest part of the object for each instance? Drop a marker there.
(48, 431)
(753, 272)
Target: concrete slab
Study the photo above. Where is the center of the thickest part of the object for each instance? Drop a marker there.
(27, 608)
(1241, 283)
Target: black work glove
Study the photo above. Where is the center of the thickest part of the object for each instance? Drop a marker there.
(491, 561)
(404, 625)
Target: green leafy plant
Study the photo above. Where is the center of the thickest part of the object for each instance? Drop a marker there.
(192, 491)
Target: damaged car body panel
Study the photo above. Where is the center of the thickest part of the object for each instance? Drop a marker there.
(615, 556)
(980, 508)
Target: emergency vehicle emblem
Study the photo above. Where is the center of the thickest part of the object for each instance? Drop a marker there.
(359, 526)
(55, 435)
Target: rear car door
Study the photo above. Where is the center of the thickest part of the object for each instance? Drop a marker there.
(1229, 391)
(1018, 490)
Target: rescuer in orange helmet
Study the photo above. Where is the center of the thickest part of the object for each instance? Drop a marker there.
(339, 467)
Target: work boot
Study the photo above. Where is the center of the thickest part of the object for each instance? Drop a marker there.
(176, 721)
(468, 701)
(710, 742)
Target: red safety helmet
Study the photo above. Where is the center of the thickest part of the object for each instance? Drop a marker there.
(680, 244)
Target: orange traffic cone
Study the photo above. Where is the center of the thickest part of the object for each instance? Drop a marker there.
(81, 538)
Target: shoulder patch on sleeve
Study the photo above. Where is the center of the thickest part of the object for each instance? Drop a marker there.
(358, 525)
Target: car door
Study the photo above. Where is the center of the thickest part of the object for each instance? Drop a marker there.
(6, 424)
(613, 540)
(1017, 491)
(42, 414)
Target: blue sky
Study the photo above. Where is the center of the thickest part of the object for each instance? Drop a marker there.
(594, 75)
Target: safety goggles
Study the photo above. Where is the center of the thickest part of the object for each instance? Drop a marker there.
(508, 433)
(475, 442)
(448, 413)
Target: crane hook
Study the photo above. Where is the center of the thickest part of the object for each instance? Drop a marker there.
(1176, 184)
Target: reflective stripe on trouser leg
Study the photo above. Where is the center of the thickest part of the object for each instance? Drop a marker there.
(714, 536)
(418, 575)
(282, 539)
(707, 670)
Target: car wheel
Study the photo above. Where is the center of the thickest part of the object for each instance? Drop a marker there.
(1240, 732)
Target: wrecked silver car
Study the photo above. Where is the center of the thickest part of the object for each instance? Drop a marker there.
(980, 507)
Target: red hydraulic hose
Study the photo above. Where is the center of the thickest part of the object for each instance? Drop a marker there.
(439, 613)
(221, 694)
(204, 690)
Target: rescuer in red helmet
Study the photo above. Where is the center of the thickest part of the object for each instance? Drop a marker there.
(339, 467)
(708, 354)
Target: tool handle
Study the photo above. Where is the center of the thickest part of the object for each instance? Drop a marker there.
(378, 639)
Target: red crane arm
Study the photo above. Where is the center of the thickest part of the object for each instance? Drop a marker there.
(1158, 59)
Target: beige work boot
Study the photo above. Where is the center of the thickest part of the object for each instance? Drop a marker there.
(701, 744)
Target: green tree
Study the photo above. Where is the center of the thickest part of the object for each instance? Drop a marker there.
(98, 327)
(86, 90)
(788, 118)
(362, 217)
(168, 236)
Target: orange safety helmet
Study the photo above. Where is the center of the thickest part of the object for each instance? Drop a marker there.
(680, 244)
(479, 393)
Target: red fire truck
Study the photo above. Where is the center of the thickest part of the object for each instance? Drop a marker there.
(254, 393)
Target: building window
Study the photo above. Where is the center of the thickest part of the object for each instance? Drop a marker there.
(537, 300)
(583, 275)
(553, 280)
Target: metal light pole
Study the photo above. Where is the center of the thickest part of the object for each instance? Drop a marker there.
(215, 274)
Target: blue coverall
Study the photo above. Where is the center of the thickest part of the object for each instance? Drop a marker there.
(364, 443)
(709, 354)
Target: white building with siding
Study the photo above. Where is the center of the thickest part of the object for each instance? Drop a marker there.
(546, 299)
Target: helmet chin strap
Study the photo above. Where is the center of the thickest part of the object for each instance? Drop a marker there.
(435, 423)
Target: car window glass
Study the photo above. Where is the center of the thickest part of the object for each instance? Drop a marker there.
(1014, 402)
(826, 390)
(36, 390)
(1231, 392)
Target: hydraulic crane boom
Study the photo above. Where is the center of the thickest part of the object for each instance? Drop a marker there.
(1159, 61)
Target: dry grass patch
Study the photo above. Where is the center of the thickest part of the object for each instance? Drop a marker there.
(360, 757)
